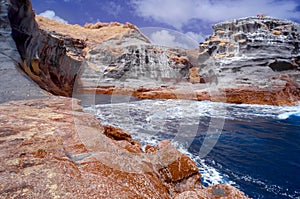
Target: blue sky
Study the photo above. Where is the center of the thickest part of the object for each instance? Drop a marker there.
(191, 17)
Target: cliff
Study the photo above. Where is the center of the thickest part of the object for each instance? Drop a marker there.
(13, 84)
(250, 60)
(258, 53)
(256, 41)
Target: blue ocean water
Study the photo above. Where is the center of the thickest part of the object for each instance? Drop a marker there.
(261, 156)
(252, 147)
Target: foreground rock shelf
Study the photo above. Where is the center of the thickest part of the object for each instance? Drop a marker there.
(51, 149)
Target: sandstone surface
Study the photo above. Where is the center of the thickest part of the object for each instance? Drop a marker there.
(51, 149)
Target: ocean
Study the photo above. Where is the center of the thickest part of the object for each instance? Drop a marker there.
(252, 147)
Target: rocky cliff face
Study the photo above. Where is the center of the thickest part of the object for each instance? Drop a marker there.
(13, 84)
(261, 43)
(261, 37)
(250, 60)
(263, 53)
(52, 62)
(54, 54)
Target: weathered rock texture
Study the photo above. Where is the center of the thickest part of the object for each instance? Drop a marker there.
(14, 85)
(50, 149)
(256, 41)
(250, 60)
(51, 61)
(257, 59)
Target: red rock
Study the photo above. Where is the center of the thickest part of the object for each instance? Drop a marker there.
(213, 192)
(150, 149)
(50, 149)
(116, 133)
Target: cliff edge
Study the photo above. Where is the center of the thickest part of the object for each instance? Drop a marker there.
(251, 60)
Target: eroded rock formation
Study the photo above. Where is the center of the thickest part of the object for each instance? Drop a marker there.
(51, 149)
(263, 44)
(257, 59)
(242, 62)
(52, 61)
(13, 84)
(54, 54)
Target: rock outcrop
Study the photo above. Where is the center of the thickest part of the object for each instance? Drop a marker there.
(255, 44)
(256, 41)
(14, 85)
(51, 149)
(250, 60)
(51, 61)
(256, 59)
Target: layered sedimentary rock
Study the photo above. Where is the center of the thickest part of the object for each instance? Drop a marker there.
(54, 53)
(51, 149)
(250, 60)
(14, 85)
(256, 41)
(255, 45)
(257, 59)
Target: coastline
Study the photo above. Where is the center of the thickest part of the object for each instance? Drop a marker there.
(63, 158)
(46, 155)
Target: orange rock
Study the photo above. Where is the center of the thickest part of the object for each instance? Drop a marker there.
(220, 31)
(194, 75)
(276, 32)
(49, 148)
(261, 15)
(242, 40)
(286, 95)
(150, 149)
(213, 192)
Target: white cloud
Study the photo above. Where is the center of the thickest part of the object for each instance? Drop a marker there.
(178, 13)
(51, 15)
(172, 39)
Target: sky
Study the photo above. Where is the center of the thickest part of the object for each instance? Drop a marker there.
(192, 18)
